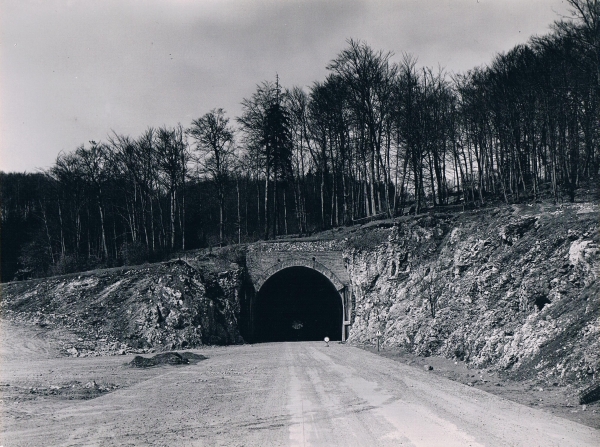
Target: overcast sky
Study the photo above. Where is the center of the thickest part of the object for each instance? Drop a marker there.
(72, 71)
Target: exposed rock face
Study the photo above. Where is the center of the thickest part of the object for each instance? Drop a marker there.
(161, 306)
(512, 288)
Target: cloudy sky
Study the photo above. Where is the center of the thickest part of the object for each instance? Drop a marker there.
(73, 70)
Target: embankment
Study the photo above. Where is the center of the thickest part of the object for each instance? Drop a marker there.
(171, 305)
(513, 288)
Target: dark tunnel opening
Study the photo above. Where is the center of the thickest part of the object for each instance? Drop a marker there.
(298, 304)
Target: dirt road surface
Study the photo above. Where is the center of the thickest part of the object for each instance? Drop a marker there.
(280, 394)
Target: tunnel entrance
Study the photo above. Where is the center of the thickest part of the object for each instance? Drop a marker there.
(298, 304)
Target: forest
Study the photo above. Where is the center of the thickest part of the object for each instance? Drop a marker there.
(374, 139)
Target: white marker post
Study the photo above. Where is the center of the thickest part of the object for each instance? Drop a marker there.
(378, 338)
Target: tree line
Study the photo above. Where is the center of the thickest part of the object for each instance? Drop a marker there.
(375, 138)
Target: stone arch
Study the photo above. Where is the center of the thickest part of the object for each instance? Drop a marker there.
(300, 262)
(343, 290)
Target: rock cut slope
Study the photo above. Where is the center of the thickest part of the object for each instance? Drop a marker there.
(513, 288)
(171, 305)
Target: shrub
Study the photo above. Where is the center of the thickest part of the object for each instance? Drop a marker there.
(134, 253)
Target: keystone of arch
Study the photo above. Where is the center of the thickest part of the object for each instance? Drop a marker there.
(299, 262)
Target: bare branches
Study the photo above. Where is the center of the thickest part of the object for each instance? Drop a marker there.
(215, 148)
(376, 137)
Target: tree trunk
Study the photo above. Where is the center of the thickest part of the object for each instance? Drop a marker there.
(104, 246)
(267, 206)
(173, 198)
(239, 216)
(285, 221)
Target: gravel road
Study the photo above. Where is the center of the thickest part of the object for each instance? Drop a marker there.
(279, 394)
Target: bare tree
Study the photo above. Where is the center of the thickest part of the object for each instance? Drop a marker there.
(94, 167)
(172, 159)
(586, 15)
(215, 148)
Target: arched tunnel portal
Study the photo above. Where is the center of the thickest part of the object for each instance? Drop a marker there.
(299, 303)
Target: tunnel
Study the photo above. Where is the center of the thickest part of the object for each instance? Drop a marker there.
(298, 304)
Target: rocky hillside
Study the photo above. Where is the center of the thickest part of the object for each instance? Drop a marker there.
(513, 289)
(171, 305)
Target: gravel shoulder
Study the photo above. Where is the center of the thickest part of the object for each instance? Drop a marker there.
(561, 401)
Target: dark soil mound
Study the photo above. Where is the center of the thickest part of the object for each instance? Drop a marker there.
(169, 358)
(73, 390)
(193, 358)
(590, 394)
